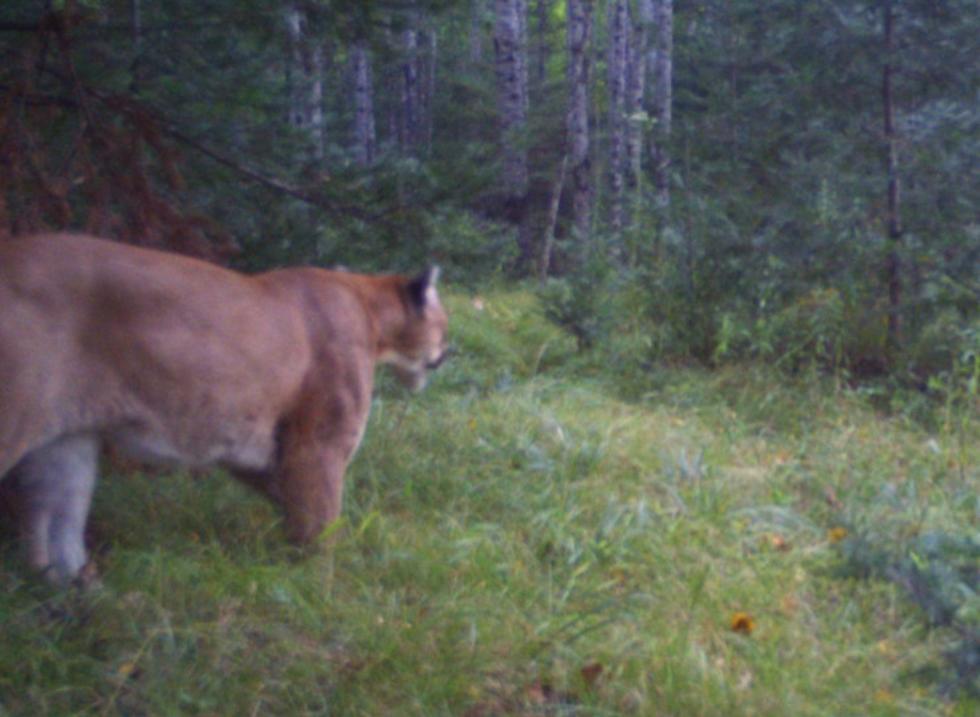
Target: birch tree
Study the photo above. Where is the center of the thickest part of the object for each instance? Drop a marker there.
(616, 64)
(636, 95)
(365, 141)
(579, 33)
(408, 126)
(305, 70)
(511, 92)
(522, 55)
(477, 29)
(543, 45)
(662, 69)
(512, 98)
(136, 32)
(894, 216)
(427, 87)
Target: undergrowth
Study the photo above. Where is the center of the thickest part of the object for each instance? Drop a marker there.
(542, 532)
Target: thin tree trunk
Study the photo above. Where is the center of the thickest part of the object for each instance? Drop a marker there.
(579, 35)
(543, 45)
(305, 80)
(544, 265)
(315, 72)
(511, 66)
(616, 63)
(392, 120)
(662, 69)
(511, 96)
(894, 219)
(477, 30)
(136, 30)
(408, 128)
(522, 62)
(365, 141)
(635, 95)
(429, 87)
(294, 63)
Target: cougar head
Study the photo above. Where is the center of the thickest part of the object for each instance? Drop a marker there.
(420, 346)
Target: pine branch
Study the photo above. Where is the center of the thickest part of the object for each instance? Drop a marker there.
(132, 107)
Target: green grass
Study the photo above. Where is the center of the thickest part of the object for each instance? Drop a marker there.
(538, 534)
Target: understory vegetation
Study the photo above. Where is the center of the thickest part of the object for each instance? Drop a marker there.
(545, 531)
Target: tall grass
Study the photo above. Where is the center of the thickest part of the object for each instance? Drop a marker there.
(540, 533)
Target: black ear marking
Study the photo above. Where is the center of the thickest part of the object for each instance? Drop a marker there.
(418, 288)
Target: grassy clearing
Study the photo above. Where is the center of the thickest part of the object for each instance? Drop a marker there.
(537, 534)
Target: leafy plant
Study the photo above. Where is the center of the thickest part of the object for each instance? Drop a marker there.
(584, 301)
(941, 574)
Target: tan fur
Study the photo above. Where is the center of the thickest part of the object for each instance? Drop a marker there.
(170, 358)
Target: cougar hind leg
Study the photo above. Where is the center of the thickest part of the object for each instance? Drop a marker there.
(55, 485)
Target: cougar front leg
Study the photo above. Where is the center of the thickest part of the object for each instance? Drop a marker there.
(315, 447)
(55, 483)
(312, 488)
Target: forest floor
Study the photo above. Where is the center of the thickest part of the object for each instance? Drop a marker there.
(539, 533)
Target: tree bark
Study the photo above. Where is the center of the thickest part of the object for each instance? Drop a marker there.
(428, 87)
(544, 265)
(511, 93)
(512, 97)
(477, 29)
(579, 36)
(616, 63)
(408, 129)
(635, 96)
(305, 80)
(136, 31)
(893, 264)
(365, 141)
(522, 61)
(662, 69)
(543, 44)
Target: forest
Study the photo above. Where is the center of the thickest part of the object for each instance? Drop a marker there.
(708, 440)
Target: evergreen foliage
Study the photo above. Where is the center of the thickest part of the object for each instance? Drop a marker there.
(188, 125)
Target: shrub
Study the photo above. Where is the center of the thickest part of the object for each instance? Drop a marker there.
(941, 574)
(584, 301)
(810, 330)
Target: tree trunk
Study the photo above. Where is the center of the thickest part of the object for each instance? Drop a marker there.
(317, 65)
(893, 265)
(365, 142)
(477, 31)
(662, 68)
(579, 35)
(136, 31)
(635, 95)
(543, 44)
(408, 130)
(544, 265)
(508, 51)
(522, 63)
(428, 87)
(390, 95)
(294, 64)
(616, 63)
(305, 80)
(511, 68)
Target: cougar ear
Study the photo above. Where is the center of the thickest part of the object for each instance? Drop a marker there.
(422, 289)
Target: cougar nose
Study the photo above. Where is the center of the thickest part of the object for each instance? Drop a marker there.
(433, 365)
